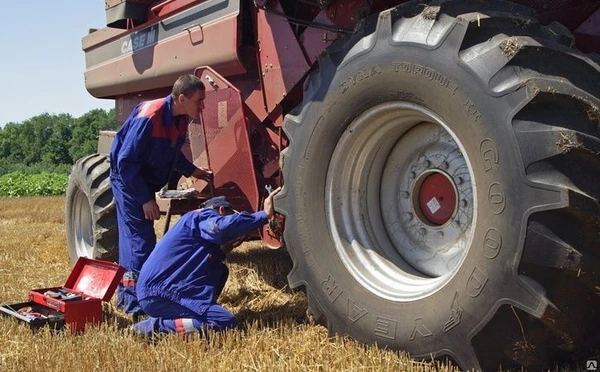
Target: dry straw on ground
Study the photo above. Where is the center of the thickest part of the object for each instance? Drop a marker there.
(274, 334)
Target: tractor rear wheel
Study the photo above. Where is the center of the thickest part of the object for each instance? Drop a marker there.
(91, 217)
(441, 187)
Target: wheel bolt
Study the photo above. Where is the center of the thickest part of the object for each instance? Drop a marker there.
(409, 216)
(440, 234)
(460, 180)
(445, 165)
(405, 194)
(463, 203)
(422, 231)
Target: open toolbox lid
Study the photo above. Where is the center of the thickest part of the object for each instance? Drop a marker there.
(95, 278)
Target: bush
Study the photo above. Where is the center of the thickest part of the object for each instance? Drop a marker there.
(20, 184)
(7, 166)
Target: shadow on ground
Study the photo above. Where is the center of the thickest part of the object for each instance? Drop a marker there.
(272, 265)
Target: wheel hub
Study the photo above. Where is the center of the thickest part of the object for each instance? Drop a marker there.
(436, 198)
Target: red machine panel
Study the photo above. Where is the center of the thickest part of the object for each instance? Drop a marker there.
(154, 54)
(225, 132)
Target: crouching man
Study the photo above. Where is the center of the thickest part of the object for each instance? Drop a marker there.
(179, 284)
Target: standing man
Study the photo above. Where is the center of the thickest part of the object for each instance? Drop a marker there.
(180, 282)
(144, 154)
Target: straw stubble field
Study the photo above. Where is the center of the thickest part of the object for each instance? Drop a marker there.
(274, 333)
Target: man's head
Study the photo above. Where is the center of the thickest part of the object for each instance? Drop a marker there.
(188, 96)
(220, 204)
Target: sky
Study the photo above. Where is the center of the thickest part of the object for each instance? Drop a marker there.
(41, 60)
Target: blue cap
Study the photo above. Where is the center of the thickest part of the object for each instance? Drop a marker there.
(216, 202)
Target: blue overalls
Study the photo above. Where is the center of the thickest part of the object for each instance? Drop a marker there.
(180, 282)
(145, 150)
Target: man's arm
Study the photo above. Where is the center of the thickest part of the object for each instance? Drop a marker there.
(224, 229)
(203, 174)
(184, 166)
(187, 168)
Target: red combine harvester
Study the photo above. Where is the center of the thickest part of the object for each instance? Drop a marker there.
(439, 160)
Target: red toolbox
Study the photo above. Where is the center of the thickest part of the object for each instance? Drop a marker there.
(76, 303)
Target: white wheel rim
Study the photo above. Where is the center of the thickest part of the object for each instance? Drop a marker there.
(382, 235)
(83, 229)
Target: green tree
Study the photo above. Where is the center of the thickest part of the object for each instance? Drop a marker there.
(84, 136)
(43, 137)
(11, 146)
(34, 134)
(50, 142)
(56, 149)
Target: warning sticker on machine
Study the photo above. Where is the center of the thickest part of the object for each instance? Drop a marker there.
(433, 205)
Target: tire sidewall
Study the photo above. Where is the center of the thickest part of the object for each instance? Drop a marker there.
(481, 122)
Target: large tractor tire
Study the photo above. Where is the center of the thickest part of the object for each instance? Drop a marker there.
(91, 216)
(441, 187)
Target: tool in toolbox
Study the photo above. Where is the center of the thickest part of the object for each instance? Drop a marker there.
(77, 303)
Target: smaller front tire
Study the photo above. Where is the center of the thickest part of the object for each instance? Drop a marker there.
(91, 216)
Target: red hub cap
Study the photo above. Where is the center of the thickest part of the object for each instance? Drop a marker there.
(437, 199)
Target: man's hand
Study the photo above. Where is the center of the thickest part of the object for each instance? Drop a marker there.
(151, 210)
(268, 203)
(203, 174)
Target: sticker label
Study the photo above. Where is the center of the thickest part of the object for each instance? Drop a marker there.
(433, 205)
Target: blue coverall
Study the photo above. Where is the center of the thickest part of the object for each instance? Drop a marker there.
(144, 152)
(184, 275)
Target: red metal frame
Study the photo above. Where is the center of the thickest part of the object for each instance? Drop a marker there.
(281, 60)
